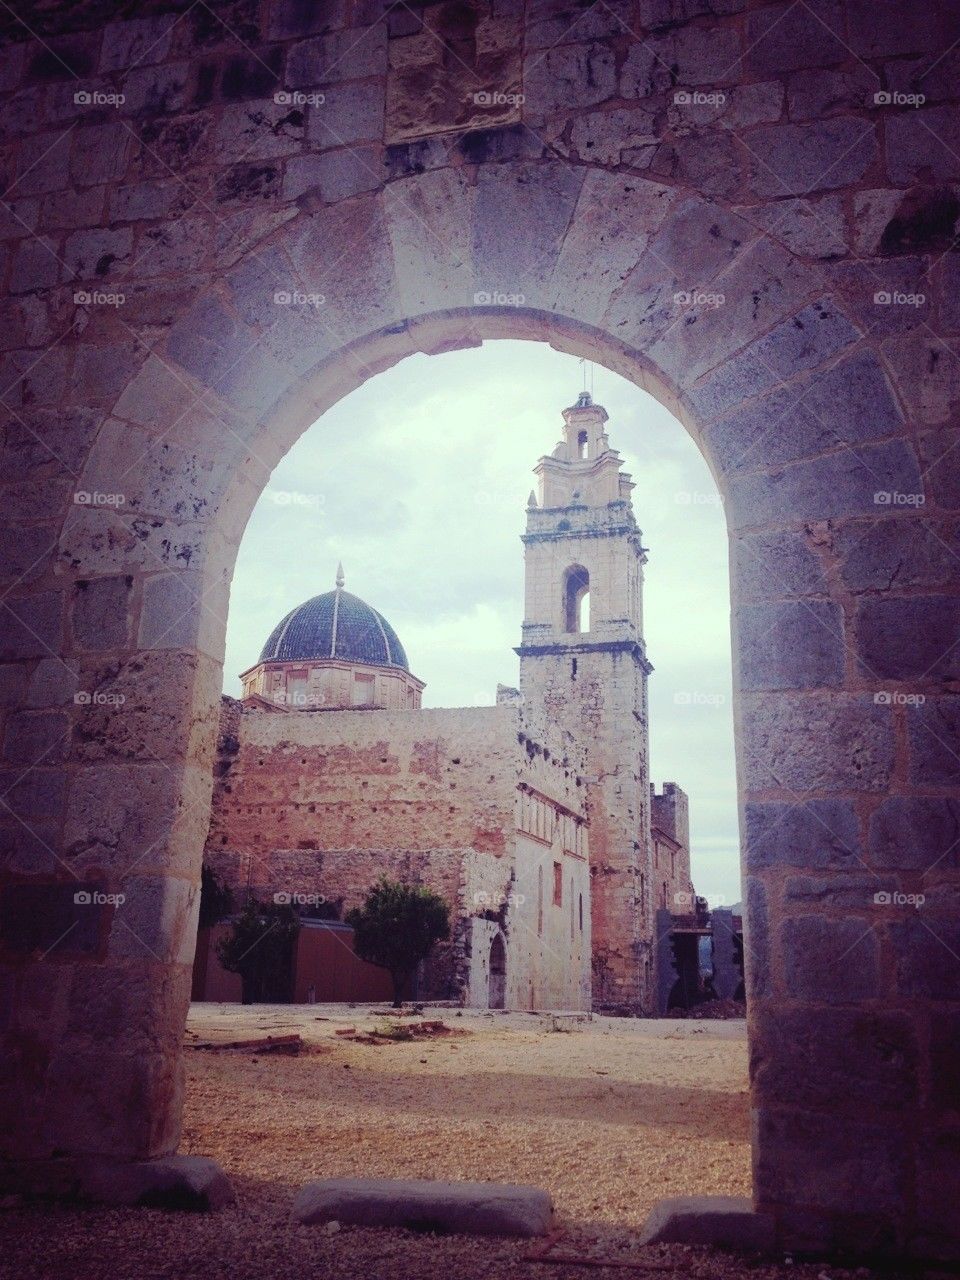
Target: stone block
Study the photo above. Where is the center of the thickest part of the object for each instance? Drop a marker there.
(908, 638)
(100, 153)
(812, 95)
(32, 625)
(785, 37)
(156, 920)
(726, 1222)
(927, 376)
(813, 228)
(37, 738)
(816, 833)
(349, 113)
(915, 833)
(795, 159)
(139, 42)
(36, 265)
(789, 644)
(925, 947)
(521, 216)
(263, 130)
(464, 1208)
(879, 30)
(34, 793)
(101, 613)
(190, 1183)
(111, 1104)
(567, 79)
(921, 142)
(53, 682)
(182, 611)
(171, 248)
(933, 728)
(157, 91)
(830, 743)
(840, 484)
(97, 254)
(644, 72)
(810, 338)
(333, 175)
(756, 939)
(338, 56)
(881, 554)
(828, 960)
(776, 564)
(838, 1163)
(303, 18)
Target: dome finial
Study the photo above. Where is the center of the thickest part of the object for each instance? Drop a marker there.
(340, 576)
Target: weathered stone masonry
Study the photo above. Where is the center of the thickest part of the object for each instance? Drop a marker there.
(616, 215)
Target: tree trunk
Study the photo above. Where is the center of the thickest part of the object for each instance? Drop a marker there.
(398, 980)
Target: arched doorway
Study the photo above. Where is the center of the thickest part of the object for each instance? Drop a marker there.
(497, 983)
(821, 670)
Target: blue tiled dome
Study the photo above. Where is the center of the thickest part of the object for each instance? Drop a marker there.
(335, 625)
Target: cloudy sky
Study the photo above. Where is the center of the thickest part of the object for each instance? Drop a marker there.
(418, 482)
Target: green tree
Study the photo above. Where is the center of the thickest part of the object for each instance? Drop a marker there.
(397, 927)
(260, 947)
(216, 900)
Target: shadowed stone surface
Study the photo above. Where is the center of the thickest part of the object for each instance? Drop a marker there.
(470, 1208)
(728, 1221)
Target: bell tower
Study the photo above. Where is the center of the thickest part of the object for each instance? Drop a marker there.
(583, 670)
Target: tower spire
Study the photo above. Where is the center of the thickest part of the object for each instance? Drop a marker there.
(340, 576)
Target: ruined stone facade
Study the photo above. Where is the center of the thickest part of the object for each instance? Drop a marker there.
(748, 209)
(318, 804)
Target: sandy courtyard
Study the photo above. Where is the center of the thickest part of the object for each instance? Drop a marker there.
(608, 1117)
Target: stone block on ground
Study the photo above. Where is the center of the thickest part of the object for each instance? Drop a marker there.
(467, 1208)
(193, 1183)
(728, 1221)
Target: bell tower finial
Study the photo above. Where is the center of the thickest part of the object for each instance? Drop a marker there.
(340, 576)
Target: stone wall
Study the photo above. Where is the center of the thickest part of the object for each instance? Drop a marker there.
(319, 804)
(745, 208)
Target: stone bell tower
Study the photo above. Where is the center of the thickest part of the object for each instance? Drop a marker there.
(583, 670)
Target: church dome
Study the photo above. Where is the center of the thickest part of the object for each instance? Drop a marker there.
(335, 625)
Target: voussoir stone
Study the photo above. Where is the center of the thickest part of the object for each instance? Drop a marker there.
(468, 1208)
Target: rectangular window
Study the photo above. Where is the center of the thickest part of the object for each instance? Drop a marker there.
(362, 690)
(557, 885)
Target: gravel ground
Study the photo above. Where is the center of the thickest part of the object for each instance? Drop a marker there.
(609, 1116)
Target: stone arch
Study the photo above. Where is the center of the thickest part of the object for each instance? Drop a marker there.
(575, 590)
(772, 375)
